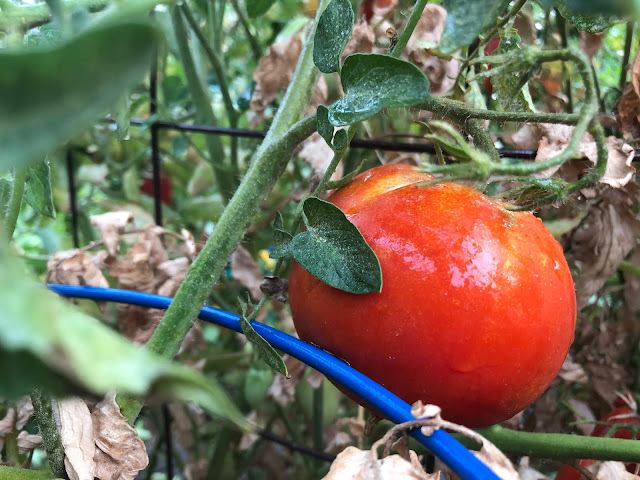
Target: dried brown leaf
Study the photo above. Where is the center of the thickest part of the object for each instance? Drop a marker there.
(274, 73)
(74, 267)
(76, 434)
(441, 73)
(590, 43)
(111, 225)
(628, 111)
(283, 389)
(27, 442)
(632, 286)
(318, 155)
(197, 469)
(119, 452)
(170, 274)
(583, 415)
(602, 240)
(245, 270)
(572, 372)
(613, 471)
(362, 40)
(356, 464)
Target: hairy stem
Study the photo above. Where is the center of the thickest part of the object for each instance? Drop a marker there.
(43, 411)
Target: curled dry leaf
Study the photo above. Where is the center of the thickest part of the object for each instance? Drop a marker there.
(441, 73)
(628, 112)
(583, 415)
(119, 452)
(245, 270)
(283, 389)
(550, 140)
(275, 287)
(170, 275)
(573, 372)
(590, 43)
(613, 471)
(602, 240)
(17, 416)
(318, 155)
(75, 267)
(190, 247)
(27, 442)
(356, 464)
(76, 434)
(111, 225)
(362, 40)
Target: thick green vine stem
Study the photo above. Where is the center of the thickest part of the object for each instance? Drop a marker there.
(561, 446)
(15, 201)
(43, 412)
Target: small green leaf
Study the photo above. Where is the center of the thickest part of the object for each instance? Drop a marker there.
(512, 90)
(49, 95)
(324, 127)
(278, 222)
(5, 196)
(333, 33)
(50, 344)
(255, 8)
(372, 82)
(331, 184)
(121, 113)
(282, 241)
(265, 350)
(334, 251)
(340, 140)
(589, 18)
(465, 20)
(39, 194)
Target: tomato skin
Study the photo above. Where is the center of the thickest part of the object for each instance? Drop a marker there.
(166, 187)
(477, 309)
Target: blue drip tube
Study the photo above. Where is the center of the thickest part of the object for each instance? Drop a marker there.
(440, 443)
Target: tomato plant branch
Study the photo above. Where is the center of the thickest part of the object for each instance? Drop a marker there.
(202, 104)
(561, 446)
(43, 412)
(628, 42)
(460, 111)
(409, 27)
(15, 201)
(253, 43)
(232, 113)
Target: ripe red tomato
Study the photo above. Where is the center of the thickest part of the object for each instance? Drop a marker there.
(477, 309)
(623, 415)
(166, 187)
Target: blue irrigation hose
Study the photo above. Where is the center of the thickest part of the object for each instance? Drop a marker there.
(440, 443)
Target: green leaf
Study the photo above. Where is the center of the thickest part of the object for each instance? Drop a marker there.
(512, 90)
(51, 344)
(47, 96)
(265, 350)
(282, 241)
(5, 196)
(324, 127)
(334, 251)
(372, 82)
(39, 194)
(255, 8)
(605, 7)
(340, 140)
(465, 20)
(121, 113)
(13, 473)
(586, 19)
(333, 33)
(278, 222)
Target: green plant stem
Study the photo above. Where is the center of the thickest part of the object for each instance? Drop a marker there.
(596, 84)
(492, 33)
(562, 27)
(232, 113)
(409, 27)
(318, 410)
(13, 16)
(253, 43)
(460, 112)
(561, 446)
(630, 268)
(12, 454)
(15, 201)
(43, 412)
(204, 111)
(628, 42)
(482, 138)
